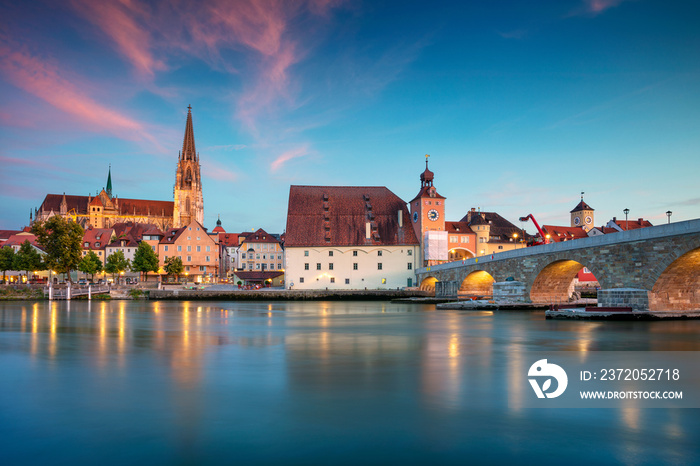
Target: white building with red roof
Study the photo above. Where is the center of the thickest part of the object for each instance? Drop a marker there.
(349, 237)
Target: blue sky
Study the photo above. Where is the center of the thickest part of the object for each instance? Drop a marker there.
(522, 105)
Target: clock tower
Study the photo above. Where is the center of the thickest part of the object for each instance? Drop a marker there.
(428, 218)
(582, 216)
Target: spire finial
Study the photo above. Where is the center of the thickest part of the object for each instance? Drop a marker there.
(582, 193)
(426, 160)
(109, 182)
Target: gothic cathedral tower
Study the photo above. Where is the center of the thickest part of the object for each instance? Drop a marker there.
(189, 204)
(428, 216)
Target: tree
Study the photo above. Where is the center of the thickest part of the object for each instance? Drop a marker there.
(116, 263)
(7, 260)
(27, 258)
(145, 260)
(90, 264)
(173, 266)
(62, 241)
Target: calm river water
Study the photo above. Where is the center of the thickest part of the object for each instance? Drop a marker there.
(127, 382)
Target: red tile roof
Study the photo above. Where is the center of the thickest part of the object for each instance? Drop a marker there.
(260, 236)
(5, 234)
(499, 227)
(18, 239)
(581, 206)
(458, 227)
(337, 216)
(93, 236)
(558, 234)
(228, 239)
(632, 224)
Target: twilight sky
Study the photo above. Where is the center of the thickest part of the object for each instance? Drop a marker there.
(521, 104)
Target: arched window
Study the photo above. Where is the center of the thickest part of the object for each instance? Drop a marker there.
(187, 183)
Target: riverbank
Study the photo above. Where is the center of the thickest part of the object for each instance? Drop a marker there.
(284, 295)
(584, 314)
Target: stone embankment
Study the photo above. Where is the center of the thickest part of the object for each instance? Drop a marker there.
(285, 295)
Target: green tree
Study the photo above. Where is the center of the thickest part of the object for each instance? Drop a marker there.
(116, 263)
(145, 260)
(173, 266)
(7, 260)
(62, 241)
(90, 264)
(28, 258)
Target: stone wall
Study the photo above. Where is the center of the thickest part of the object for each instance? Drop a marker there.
(638, 300)
(511, 291)
(287, 295)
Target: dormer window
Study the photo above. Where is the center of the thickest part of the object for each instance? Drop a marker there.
(97, 245)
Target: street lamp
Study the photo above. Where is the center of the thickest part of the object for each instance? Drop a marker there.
(626, 212)
(515, 239)
(668, 214)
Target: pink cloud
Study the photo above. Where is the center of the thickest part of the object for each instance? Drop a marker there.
(47, 82)
(287, 156)
(120, 21)
(598, 6)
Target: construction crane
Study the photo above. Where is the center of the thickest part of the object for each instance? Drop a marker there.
(545, 238)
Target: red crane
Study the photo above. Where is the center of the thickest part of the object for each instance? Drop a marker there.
(545, 240)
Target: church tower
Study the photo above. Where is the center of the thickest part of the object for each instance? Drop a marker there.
(582, 215)
(428, 216)
(189, 204)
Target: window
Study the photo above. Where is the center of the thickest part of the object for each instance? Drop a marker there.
(354, 266)
(379, 253)
(166, 248)
(482, 240)
(500, 247)
(410, 266)
(354, 253)
(379, 266)
(318, 266)
(179, 248)
(301, 280)
(97, 245)
(409, 282)
(257, 256)
(99, 253)
(465, 239)
(257, 266)
(128, 250)
(189, 248)
(306, 253)
(207, 259)
(453, 239)
(410, 252)
(202, 268)
(189, 228)
(272, 266)
(347, 281)
(198, 238)
(153, 247)
(306, 266)
(330, 266)
(332, 279)
(279, 266)
(87, 245)
(189, 258)
(187, 268)
(189, 238)
(208, 248)
(330, 253)
(279, 257)
(243, 256)
(199, 248)
(166, 258)
(197, 230)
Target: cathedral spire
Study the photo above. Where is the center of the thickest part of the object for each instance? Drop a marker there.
(188, 151)
(109, 182)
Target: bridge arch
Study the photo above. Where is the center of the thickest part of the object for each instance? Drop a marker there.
(678, 286)
(458, 254)
(555, 282)
(428, 284)
(477, 283)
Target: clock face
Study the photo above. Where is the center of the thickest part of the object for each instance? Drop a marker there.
(433, 215)
(588, 220)
(415, 216)
(577, 220)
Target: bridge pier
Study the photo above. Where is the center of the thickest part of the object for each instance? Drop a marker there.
(512, 291)
(635, 298)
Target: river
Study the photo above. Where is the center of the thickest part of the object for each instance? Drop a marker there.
(134, 382)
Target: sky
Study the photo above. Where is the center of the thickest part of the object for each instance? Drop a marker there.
(521, 105)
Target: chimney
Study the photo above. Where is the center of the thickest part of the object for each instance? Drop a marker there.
(400, 218)
(368, 230)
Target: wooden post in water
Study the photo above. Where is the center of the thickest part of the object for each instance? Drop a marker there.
(68, 291)
(89, 291)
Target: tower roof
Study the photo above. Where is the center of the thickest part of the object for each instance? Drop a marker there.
(188, 150)
(581, 206)
(109, 182)
(426, 178)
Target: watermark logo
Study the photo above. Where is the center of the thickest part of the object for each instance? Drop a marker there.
(546, 372)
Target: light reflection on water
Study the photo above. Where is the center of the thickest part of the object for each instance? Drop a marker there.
(312, 382)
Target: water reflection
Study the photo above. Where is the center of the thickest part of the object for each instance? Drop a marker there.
(237, 375)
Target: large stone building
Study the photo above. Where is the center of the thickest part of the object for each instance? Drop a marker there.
(348, 238)
(106, 209)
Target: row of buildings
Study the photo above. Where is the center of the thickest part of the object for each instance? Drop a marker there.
(336, 237)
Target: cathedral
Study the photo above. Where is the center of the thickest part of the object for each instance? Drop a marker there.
(106, 209)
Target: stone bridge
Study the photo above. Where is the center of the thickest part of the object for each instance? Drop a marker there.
(655, 268)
